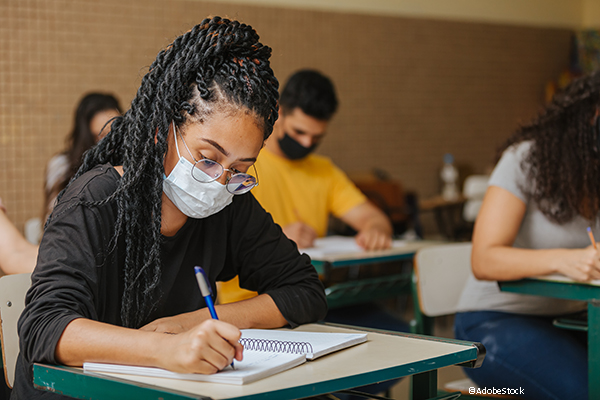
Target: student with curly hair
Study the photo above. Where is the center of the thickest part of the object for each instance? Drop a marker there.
(542, 196)
(168, 189)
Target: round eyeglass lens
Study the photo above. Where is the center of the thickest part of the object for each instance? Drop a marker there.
(206, 170)
(240, 183)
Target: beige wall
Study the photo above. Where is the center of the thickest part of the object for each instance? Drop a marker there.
(591, 14)
(411, 89)
(546, 13)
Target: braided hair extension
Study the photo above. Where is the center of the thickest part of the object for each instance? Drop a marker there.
(564, 161)
(218, 65)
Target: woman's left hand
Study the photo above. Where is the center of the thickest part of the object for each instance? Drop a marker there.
(172, 325)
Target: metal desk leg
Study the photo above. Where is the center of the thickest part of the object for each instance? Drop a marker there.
(424, 385)
(594, 349)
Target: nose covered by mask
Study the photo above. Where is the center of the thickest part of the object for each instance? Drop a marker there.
(193, 198)
(294, 150)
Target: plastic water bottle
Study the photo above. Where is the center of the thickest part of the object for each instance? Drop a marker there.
(449, 175)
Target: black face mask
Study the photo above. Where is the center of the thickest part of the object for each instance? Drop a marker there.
(294, 150)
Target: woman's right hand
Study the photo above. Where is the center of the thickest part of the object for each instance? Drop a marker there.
(582, 265)
(205, 349)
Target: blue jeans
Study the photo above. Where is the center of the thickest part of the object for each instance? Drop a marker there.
(370, 315)
(527, 352)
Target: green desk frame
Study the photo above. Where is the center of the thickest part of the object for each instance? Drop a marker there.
(75, 383)
(364, 290)
(570, 291)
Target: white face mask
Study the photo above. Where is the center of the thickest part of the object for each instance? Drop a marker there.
(193, 198)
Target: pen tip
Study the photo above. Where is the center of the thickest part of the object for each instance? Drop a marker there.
(589, 229)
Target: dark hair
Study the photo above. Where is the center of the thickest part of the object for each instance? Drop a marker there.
(563, 164)
(219, 65)
(312, 91)
(81, 137)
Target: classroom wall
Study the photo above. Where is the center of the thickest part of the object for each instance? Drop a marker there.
(546, 13)
(591, 14)
(411, 89)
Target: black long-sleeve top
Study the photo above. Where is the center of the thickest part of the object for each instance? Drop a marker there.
(77, 275)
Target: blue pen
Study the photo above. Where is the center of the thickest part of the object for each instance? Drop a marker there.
(206, 291)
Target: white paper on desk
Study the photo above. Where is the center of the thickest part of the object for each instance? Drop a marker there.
(255, 365)
(330, 245)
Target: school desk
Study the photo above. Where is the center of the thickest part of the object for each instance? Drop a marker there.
(384, 356)
(560, 287)
(354, 291)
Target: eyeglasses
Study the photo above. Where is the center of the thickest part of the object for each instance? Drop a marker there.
(206, 170)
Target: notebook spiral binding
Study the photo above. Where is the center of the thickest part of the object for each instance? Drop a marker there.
(276, 346)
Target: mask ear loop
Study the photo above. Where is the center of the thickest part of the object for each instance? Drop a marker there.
(175, 136)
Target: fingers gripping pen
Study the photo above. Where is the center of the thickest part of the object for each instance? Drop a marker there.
(206, 291)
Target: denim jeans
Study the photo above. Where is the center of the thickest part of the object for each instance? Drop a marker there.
(528, 352)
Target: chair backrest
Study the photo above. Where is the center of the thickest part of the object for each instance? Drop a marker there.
(12, 301)
(441, 272)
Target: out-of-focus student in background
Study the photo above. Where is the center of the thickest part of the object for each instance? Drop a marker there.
(94, 112)
(543, 194)
(93, 116)
(305, 188)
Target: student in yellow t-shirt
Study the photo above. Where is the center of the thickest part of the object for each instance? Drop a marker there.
(301, 189)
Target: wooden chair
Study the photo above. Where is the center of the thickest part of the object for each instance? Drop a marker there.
(12, 303)
(439, 276)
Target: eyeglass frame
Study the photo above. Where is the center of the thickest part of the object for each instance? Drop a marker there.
(232, 173)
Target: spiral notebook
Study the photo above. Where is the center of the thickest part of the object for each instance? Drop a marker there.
(266, 352)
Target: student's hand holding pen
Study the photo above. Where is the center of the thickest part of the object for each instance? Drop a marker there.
(581, 265)
(201, 349)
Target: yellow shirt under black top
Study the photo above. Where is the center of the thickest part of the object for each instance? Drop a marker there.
(305, 190)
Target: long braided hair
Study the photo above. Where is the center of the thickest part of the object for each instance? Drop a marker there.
(564, 161)
(217, 64)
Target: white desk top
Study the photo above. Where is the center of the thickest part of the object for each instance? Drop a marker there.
(380, 352)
